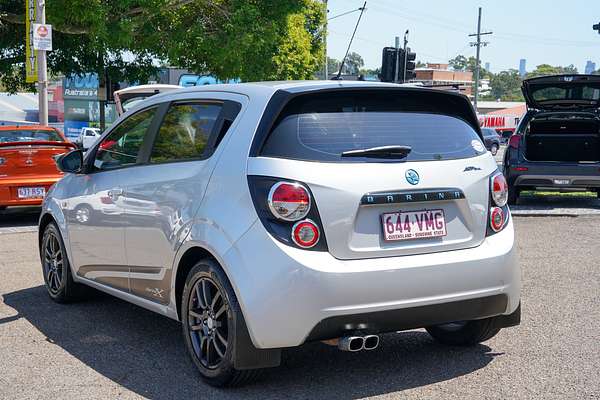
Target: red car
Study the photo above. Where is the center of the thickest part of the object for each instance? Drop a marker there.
(27, 168)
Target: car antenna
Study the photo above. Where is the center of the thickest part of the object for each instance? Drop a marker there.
(362, 10)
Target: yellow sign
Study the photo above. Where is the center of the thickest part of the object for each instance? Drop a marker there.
(31, 58)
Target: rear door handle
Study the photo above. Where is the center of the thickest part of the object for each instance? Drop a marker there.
(115, 193)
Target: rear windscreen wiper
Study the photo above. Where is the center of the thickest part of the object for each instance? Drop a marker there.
(381, 152)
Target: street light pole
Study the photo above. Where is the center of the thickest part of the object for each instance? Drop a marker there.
(42, 72)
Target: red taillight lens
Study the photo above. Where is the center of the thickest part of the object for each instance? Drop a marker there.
(514, 141)
(521, 169)
(499, 189)
(496, 219)
(289, 201)
(305, 234)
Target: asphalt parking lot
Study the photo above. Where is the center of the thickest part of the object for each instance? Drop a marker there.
(105, 348)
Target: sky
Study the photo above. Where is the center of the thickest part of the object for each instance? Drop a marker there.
(541, 31)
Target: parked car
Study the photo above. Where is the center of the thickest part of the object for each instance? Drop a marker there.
(27, 168)
(556, 146)
(491, 139)
(288, 213)
(88, 137)
(129, 97)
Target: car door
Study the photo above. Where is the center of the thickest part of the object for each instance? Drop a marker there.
(95, 209)
(162, 196)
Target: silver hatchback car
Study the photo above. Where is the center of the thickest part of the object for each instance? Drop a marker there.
(268, 215)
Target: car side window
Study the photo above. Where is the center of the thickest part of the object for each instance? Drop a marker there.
(185, 132)
(121, 147)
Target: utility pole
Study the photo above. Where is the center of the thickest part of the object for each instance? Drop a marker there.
(326, 67)
(397, 61)
(478, 44)
(405, 56)
(42, 72)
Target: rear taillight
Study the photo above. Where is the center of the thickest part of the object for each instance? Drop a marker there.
(289, 201)
(288, 212)
(498, 210)
(514, 141)
(499, 189)
(497, 219)
(305, 234)
(520, 169)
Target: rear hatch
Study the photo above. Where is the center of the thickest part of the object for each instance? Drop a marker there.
(562, 92)
(442, 180)
(128, 97)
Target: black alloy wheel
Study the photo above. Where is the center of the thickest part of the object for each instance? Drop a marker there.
(208, 322)
(53, 263)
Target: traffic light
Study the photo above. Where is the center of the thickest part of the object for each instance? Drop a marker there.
(409, 64)
(388, 64)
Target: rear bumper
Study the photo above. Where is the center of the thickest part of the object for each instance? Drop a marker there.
(290, 296)
(558, 181)
(8, 190)
(556, 176)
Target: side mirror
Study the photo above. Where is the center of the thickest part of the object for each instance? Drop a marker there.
(71, 162)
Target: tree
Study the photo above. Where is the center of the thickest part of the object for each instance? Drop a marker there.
(250, 40)
(506, 86)
(354, 62)
(462, 63)
(547, 69)
(420, 64)
(333, 65)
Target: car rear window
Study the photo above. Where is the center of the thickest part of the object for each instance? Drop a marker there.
(29, 135)
(323, 128)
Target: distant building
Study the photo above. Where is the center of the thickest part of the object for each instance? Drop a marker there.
(590, 67)
(487, 66)
(439, 74)
(522, 67)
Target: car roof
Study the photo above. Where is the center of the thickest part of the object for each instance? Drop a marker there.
(269, 87)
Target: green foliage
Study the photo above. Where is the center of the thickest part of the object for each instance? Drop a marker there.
(352, 66)
(506, 86)
(462, 63)
(246, 39)
(546, 69)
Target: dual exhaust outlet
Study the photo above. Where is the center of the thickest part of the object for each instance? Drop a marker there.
(358, 343)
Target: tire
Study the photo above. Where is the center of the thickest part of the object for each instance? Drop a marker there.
(494, 149)
(56, 268)
(206, 283)
(467, 333)
(513, 195)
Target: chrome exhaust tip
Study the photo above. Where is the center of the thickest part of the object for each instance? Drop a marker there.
(351, 343)
(371, 342)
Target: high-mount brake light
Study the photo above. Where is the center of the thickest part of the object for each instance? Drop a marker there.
(499, 189)
(289, 201)
(305, 234)
(497, 219)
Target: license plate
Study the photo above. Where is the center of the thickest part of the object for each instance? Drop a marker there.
(561, 181)
(408, 225)
(31, 192)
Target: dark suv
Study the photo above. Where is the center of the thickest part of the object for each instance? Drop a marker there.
(556, 146)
